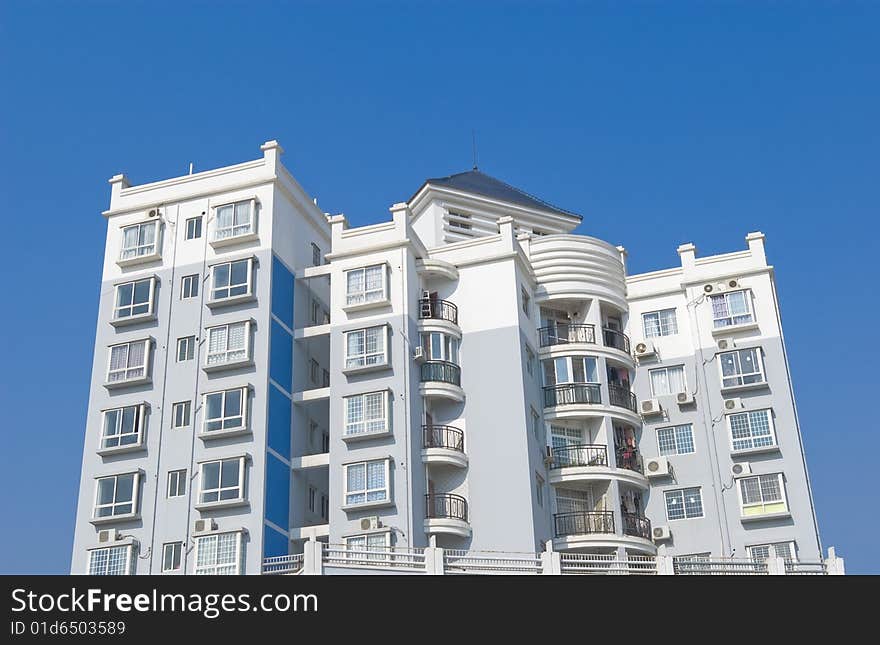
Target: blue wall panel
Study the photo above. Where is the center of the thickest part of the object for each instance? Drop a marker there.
(281, 357)
(274, 543)
(279, 422)
(277, 491)
(282, 292)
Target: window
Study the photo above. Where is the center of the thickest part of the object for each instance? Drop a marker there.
(325, 378)
(668, 380)
(313, 370)
(134, 299)
(313, 493)
(526, 300)
(749, 430)
(692, 564)
(678, 440)
(316, 312)
(325, 507)
(366, 482)
(123, 427)
(366, 413)
(228, 343)
(112, 561)
(218, 554)
(365, 347)
(231, 279)
(325, 442)
(222, 480)
(761, 552)
(128, 362)
(685, 503)
(193, 228)
(226, 410)
(530, 360)
(172, 553)
(189, 286)
(365, 285)
(732, 308)
(186, 348)
(234, 220)
(536, 425)
(176, 483)
(539, 489)
(316, 255)
(180, 413)
(741, 367)
(660, 323)
(116, 495)
(369, 542)
(313, 432)
(762, 494)
(570, 369)
(139, 240)
(440, 347)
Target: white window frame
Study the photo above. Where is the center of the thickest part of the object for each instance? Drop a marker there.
(128, 559)
(222, 419)
(569, 366)
(135, 497)
(751, 438)
(675, 440)
(359, 428)
(232, 232)
(177, 476)
(357, 544)
(141, 251)
(194, 223)
(220, 488)
(139, 425)
(145, 367)
(316, 255)
(214, 567)
(747, 297)
(176, 549)
(684, 382)
(189, 342)
(740, 375)
(151, 300)
(248, 341)
(773, 548)
(659, 328)
(193, 280)
(363, 358)
(249, 283)
(364, 296)
(367, 490)
(187, 407)
(763, 503)
(682, 492)
(449, 347)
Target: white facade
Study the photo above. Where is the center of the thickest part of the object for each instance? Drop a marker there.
(469, 376)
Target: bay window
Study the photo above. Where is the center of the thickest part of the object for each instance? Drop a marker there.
(366, 285)
(134, 299)
(762, 495)
(123, 427)
(751, 430)
(366, 482)
(128, 361)
(741, 367)
(570, 369)
(234, 220)
(226, 411)
(221, 480)
(218, 554)
(733, 308)
(140, 240)
(366, 413)
(668, 380)
(440, 347)
(228, 343)
(366, 347)
(116, 495)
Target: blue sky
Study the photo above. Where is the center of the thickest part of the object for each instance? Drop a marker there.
(662, 123)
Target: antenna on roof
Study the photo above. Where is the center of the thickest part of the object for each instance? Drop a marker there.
(474, 142)
(190, 168)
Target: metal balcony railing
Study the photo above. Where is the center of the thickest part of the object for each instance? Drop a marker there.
(583, 523)
(442, 371)
(630, 459)
(622, 398)
(636, 525)
(615, 339)
(563, 334)
(570, 393)
(439, 436)
(438, 309)
(579, 455)
(446, 505)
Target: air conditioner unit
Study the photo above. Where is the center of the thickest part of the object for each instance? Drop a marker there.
(708, 288)
(660, 533)
(108, 535)
(657, 467)
(205, 525)
(644, 349)
(741, 469)
(651, 406)
(370, 523)
(733, 404)
(684, 398)
(154, 212)
(418, 354)
(732, 284)
(726, 343)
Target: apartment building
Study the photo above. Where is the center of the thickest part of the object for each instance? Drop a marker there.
(467, 376)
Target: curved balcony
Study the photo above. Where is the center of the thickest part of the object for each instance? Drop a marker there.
(431, 309)
(583, 523)
(621, 397)
(443, 445)
(616, 340)
(585, 454)
(446, 513)
(596, 530)
(636, 526)
(630, 460)
(589, 462)
(566, 334)
(441, 379)
(572, 394)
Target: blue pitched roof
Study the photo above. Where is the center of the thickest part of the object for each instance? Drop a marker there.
(479, 183)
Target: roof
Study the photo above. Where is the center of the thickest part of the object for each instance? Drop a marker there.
(479, 183)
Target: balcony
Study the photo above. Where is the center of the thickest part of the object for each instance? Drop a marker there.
(566, 334)
(446, 513)
(630, 460)
(621, 397)
(636, 526)
(431, 309)
(616, 340)
(589, 463)
(571, 394)
(443, 445)
(591, 455)
(583, 523)
(441, 379)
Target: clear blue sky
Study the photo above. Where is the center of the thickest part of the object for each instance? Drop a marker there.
(662, 123)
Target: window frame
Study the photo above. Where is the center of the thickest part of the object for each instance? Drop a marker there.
(248, 348)
(139, 423)
(384, 396)
(129, 559)
(151, 301)
(364, 357)
(154, 254)
(386, 462)
(134, 502)
(449, 346)
(220, 489)
(187, 406)
(675, 440)
(666, 369)
(244, 413)
(792, 550)
(740, 375)
(190, 343)
(358, 299)
(763, 503)
(771, 426)
(213, 300)
(211, 569)
(659, 328)
(367, 549)
(176, 550)
(148, 345)
(179, 476)
(217, 239)
(747, 298)
(526, 304)
(569, 366)
(682, 493)
(192, 280)
(196, 224)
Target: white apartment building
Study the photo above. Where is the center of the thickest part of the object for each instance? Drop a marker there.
(274, 390)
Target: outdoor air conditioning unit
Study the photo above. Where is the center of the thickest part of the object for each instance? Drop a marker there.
(708, 288)
(657, 467)
(733, 404)
(644, 349)
(726, 343)
(732, 284)
(370, 523)
(203, 526)
(154, 212)
(661, 533)
(107, 535)
(651, 406)
(684, 398)
(418, 354)
(740, 469)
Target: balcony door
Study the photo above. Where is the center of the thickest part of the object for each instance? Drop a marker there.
(570, 369)
(578, 501)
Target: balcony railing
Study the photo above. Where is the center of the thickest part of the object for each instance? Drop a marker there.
(438, 310)
(615, 339)
(629, 459)
(583, 523)
(446, 506)
(436, 436)
(570, 393)
(563, 334)
(636, 525)
(442, 371)
(580, 455)
(622, 398)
